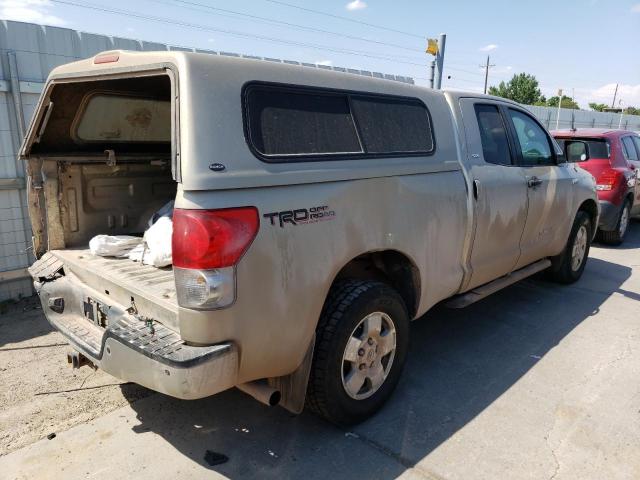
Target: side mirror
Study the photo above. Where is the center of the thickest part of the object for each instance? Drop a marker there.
(576, 151)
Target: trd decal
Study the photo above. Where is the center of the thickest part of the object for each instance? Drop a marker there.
(300, 216)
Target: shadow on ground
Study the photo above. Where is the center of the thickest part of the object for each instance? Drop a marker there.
(22, 320)
(631, 240)
(460, 362)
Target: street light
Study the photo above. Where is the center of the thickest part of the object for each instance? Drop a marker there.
(559, 106)
(620, 102)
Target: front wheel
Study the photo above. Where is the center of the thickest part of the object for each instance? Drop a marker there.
(361, 344)
(569, 265)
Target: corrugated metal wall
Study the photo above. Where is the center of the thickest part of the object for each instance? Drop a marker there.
(28, 52)
(584, 119)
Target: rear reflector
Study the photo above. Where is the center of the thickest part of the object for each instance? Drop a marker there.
(110, 58)
(205, 289)
(210, 239)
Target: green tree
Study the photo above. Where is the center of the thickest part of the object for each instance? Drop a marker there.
(522, 88)
(632, 111)
(542, 101)
(598, 107)
(567, 102)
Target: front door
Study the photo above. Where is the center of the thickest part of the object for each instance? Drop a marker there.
(499, 192)
(549, 189)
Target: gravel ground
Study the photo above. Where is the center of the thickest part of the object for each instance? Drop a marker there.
(40, 393)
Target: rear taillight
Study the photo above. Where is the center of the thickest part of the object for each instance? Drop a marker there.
(608, 180)
(206, 246)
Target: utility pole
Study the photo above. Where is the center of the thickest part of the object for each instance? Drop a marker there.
(432, 75)
(440, 60)
(559, 105)
(486, 73)
(613, 104)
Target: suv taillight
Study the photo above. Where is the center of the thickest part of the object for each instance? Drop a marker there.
(608, 180)
(206, 246)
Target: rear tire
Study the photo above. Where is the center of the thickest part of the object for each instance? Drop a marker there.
(361, 345)
(616, 237)
(569, 265)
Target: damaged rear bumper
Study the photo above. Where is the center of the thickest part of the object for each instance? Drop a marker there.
(132, 349)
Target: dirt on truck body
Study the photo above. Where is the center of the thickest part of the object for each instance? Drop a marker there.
(316, 214)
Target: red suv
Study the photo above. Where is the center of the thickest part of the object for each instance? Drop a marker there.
(613, 158)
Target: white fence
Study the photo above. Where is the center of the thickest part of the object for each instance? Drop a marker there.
(584, 119)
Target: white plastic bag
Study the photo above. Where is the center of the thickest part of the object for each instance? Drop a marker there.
(165, 211)
(113, 245)
(156, 249)
(137, 253)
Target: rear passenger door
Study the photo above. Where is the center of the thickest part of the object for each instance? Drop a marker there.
(549, 188)
(499, 191)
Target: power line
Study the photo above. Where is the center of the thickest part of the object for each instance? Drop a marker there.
(188, 4)
(462, 70)
(236, 33)
(347, 19)
(193, 6)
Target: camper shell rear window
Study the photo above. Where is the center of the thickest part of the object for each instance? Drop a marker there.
(128, 115)
(290, 124)
(122, 118)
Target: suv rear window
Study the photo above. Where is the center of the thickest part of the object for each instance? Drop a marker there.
(297, 124)
(597, 148)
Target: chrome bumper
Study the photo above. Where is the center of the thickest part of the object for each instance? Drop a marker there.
(131, 349)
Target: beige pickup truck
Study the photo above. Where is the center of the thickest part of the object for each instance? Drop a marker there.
(316, 214)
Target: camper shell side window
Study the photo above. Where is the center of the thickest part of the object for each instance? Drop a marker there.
(286, 123)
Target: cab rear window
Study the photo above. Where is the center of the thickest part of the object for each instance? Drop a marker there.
(296, 124)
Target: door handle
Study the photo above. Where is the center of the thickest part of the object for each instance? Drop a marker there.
(476, 189)
(534, 182)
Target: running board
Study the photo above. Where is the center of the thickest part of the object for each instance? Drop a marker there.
(478, 293)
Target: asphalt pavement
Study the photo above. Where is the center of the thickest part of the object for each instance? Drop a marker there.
(536, 381)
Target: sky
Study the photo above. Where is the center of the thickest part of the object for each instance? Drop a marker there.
(585, 47)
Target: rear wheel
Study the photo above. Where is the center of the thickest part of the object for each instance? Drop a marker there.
(616, 237)
(361, 344)
(568, 266)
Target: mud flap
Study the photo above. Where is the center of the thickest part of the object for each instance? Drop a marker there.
(293, 387)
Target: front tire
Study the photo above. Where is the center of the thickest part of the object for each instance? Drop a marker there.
(616, 237)
(361, 345)
(568, 266)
